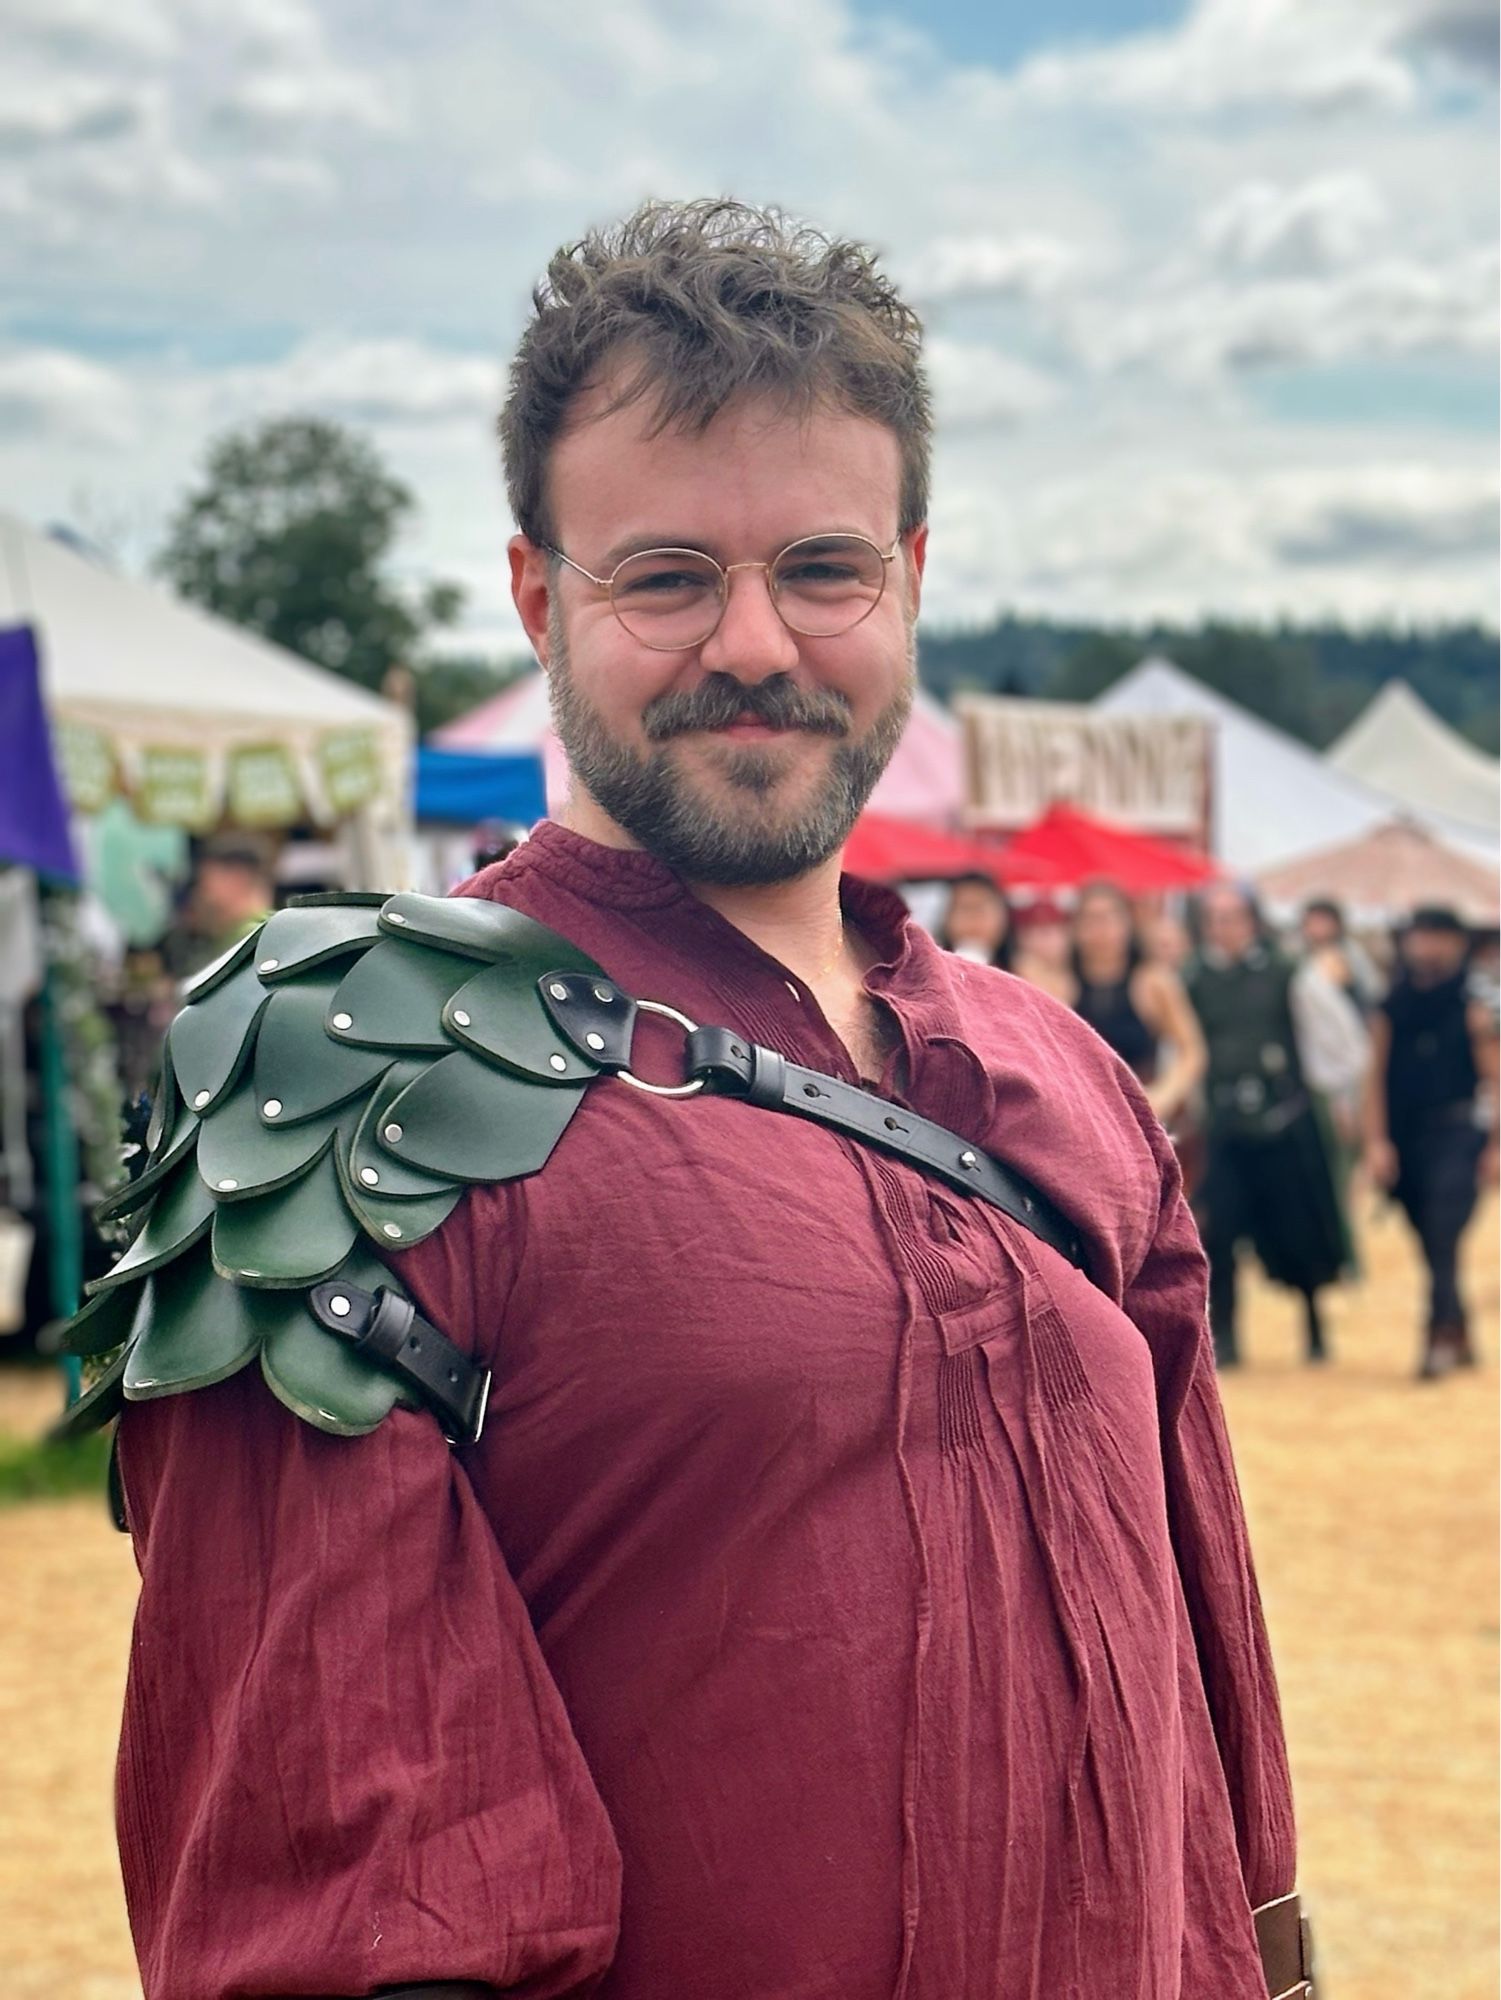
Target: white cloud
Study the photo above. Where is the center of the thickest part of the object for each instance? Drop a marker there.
(46, 393)
(272, 102)
(34, 118)
(989, 267)
(1203, 330)
(1296, 231)
(81, 29)
(1312, 55)
(375, 382)
(980, 385)
(1416, 515)
(1463, 32)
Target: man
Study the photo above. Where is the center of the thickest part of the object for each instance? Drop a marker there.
(848, 1596)
(231, 894)
(1276, 1033)
(1431, 1115)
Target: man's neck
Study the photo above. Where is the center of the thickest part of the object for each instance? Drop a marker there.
(798, 922)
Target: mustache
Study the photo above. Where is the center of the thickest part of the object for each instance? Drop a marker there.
(719, 700)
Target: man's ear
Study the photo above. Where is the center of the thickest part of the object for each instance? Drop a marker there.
(531, 591)
(916, 547)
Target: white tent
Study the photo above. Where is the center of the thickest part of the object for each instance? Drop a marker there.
(1274, 798)
(1398, 744)
(144, 689)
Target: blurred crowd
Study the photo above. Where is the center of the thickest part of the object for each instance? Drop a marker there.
(1292, 1072)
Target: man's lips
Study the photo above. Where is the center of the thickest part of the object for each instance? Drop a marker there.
(752, 725)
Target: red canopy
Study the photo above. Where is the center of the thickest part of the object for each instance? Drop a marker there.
(900, 850)
(1069, 846)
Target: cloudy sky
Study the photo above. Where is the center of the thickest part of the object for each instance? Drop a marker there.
(1211, 289)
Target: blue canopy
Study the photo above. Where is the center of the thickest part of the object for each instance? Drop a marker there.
(33, 815)
(467, 787)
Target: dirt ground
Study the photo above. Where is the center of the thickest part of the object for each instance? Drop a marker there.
(1373, 1511)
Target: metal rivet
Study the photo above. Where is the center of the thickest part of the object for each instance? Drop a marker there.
(968, 1160)
(201, 1099)
(1028, 1204)
(369, 1176)
(225, 1186)
(558, 1062)
(603, 993)
(391, 1134)
(342, 1021)
(268, 965)
(558, 990)
(395, 917)
(595, 1041)
(460, 1018)
(390, 1229)
(271, 1108)
(339, 1306)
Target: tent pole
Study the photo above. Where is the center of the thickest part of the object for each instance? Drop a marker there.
(60, 1175)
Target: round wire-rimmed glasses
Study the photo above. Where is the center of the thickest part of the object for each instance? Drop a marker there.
(673, 599)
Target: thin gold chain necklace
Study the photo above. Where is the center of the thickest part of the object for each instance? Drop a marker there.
(824, 970)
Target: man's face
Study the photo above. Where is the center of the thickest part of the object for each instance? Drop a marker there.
(1432, 955)
(746, 758)
(1228, 924)
(1319, 929)
(226, 891)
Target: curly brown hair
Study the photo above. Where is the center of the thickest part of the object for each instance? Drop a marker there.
(709, 301)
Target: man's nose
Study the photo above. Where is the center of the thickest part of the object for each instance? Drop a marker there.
(750, 642)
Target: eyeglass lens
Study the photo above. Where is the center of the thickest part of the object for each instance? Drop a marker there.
(669, 598)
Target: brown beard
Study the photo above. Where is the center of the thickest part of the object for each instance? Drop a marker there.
(738, 840)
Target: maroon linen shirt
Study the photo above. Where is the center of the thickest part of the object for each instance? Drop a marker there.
(848, 1598)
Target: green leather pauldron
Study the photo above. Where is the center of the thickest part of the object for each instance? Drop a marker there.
(334, 1081)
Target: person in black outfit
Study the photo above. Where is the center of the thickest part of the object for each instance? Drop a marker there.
(1268, 1177)
(1132, 1002)
(1435, 1046)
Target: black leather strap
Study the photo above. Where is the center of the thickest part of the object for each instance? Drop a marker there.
(1286, 1946)
(732, 1066)
(412, 1348)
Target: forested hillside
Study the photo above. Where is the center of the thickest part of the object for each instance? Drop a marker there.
(1309, 679)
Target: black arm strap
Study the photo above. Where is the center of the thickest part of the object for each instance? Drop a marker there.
(734, 1067)
(449, 1384)
(421, 1358)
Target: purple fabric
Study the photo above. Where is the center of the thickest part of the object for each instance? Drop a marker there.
(33, 813)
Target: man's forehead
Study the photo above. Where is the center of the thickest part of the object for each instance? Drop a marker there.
(757, 454)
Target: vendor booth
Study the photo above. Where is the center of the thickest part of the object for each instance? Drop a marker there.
(193, 723)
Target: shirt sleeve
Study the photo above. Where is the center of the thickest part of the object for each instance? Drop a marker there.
(1166, 1300)
(344, 1766)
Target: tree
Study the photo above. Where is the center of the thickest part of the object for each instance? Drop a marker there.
(290, 535)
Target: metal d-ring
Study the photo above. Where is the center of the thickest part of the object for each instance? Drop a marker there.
(664, 1089)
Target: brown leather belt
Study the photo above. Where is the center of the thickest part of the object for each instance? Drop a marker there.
(1286, 1944)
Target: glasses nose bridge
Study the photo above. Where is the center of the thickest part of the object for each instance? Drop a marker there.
(727, 570)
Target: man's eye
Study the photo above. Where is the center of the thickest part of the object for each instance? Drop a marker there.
(798, 575)
(662, 583)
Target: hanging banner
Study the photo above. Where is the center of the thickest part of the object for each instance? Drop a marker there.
(88, 765)
(1150, 772)
(174, 788)
(349, 764)
(263, 788)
